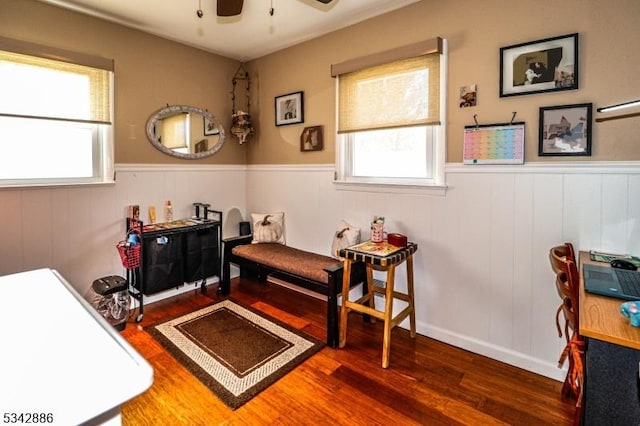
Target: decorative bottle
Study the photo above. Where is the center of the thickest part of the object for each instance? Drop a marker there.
(168, 212)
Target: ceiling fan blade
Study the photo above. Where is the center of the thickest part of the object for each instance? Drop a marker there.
(229, 7)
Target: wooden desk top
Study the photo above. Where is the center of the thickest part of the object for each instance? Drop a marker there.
(600, 316)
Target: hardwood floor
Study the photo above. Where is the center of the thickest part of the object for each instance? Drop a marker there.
(427, 382)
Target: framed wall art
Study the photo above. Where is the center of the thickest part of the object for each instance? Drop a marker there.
(210, 128)
(311, 139)
(201, 146)
(565, 130)
(546, 65)
(289, 109)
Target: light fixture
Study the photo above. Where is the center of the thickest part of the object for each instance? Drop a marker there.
(619, 106)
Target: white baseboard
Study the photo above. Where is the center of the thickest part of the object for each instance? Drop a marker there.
(498, 353)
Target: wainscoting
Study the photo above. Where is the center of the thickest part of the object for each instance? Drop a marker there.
(483, 280)
(75, 229)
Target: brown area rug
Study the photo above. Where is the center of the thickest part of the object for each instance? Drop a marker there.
(235, 350)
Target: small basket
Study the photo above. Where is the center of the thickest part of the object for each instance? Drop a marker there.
(130, 255)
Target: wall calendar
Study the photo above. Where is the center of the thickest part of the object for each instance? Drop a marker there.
(494, 144)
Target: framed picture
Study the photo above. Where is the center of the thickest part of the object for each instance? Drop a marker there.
(210, 128)
(565, 130)
(289, 109)
(201, 146)
(540, 66)
(311, 139)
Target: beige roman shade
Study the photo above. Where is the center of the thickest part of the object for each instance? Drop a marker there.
(391, 89)
(24, 66)
(174, 131)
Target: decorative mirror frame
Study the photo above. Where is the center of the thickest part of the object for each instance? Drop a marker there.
(171, 110)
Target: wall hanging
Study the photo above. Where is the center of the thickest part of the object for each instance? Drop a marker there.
(311, 139)
(539, 66)
(290, 109)
(565, 130)
(497, 143)
(241, 126)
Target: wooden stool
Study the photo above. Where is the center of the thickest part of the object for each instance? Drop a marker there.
(381, 257)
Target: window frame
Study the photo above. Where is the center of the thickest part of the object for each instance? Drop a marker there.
(343, 177)
(102, 140)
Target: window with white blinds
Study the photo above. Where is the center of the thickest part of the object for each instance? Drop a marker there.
(55, 116)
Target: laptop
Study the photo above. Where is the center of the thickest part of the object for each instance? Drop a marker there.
(606, 281)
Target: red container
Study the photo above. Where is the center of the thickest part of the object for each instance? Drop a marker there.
(129, 255)
(397, 240)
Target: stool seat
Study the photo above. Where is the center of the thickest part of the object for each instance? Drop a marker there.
(379, 257)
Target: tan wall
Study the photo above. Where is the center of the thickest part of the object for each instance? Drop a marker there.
(475, 30)
(150, 72)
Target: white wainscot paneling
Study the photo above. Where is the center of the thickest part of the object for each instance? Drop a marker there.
(75, 229)
(483, 279)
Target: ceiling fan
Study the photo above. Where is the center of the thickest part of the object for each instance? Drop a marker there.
(234, 7)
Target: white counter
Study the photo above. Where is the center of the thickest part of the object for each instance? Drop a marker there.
(58, 356)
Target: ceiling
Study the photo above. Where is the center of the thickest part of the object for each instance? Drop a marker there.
(252, 34)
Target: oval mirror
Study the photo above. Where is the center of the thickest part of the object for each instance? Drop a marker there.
(185, 131)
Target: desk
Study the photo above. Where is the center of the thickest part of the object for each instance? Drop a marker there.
(600, 316)
(366, 304)
(612, 358)
(61, 360)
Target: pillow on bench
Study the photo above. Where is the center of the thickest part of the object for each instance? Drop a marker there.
(345, 236)
(268, 227)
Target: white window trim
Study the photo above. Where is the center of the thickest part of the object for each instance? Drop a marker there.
(106, 174)
(438, 187)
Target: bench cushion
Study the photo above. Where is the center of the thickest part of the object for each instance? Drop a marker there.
(288, 259)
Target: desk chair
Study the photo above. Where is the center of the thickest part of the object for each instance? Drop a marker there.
(563, 263)
(559, 254)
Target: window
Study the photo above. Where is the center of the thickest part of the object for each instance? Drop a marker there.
(55, 116)
(174, 132)
(391, 116)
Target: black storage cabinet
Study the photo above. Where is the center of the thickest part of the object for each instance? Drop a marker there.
(202, 254)
(173, 256)
(163, 262)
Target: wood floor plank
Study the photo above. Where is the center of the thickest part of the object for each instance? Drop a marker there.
(427, 382)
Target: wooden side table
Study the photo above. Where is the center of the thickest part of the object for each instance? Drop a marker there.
(381, 259)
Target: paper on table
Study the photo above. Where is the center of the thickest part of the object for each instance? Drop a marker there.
(604, 257)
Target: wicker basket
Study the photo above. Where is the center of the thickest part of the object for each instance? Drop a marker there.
(129, 254)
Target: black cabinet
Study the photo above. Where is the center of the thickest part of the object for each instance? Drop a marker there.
(175, 253)
(611, 385)
(202, 253)
(163, 259)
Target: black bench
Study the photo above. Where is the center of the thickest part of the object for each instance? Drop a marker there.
(312, 271)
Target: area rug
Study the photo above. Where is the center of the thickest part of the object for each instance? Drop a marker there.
(234, 350)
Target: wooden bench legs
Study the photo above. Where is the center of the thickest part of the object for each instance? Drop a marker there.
(333, 322)
(332, 289)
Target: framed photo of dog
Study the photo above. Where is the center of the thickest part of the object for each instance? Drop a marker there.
(546, 65)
